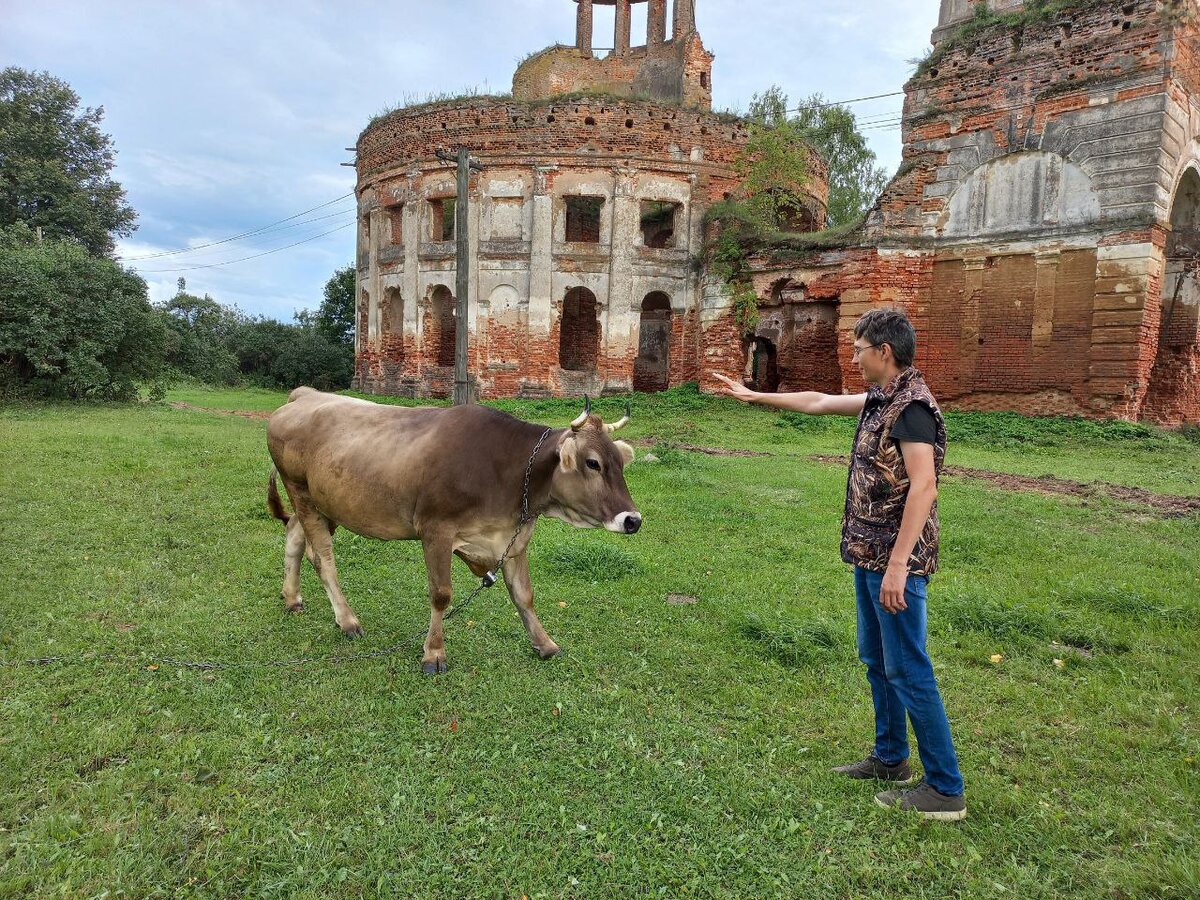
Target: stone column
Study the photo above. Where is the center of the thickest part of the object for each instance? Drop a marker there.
(583, 26)
(413, 209)
(541, 254)
(618, 326)
(624, 14)
(656, 23)
(378, 225)
(685, 18)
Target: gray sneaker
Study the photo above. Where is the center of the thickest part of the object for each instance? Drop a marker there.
(873, 767)
(926, 800)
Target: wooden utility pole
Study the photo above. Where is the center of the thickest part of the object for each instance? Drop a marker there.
(462, 272)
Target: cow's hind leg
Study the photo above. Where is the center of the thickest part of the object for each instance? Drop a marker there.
(438, 555)
(311, 554)
(520, 588)
(320, 540)
(292, 555)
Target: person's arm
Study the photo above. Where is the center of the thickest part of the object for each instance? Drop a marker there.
(922, 492)
(811, 402)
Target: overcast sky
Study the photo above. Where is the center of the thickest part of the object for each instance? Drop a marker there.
(230, 116)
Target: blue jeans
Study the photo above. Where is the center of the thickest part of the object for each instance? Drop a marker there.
(892, 647)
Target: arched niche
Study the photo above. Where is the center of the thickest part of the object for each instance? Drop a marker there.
(1025, 191)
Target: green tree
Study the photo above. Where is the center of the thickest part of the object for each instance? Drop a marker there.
(56, 163)
(335, 317)
(200, 332)
(773, 167)
(73, 325)
(855, 181)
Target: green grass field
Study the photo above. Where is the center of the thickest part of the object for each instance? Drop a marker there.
(673, 750)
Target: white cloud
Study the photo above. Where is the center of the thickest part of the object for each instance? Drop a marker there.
(231, 115)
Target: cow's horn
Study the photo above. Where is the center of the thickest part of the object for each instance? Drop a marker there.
(618, 425)
(583, 416)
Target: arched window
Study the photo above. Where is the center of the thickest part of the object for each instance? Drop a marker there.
(439, 327)
(579, 331)
(393, 313)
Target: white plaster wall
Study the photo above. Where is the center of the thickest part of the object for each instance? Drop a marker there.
(1019, 192)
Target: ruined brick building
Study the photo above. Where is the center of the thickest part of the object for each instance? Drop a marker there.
(583, 223)
(1042, 231)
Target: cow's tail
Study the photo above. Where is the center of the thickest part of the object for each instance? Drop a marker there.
(274, 501)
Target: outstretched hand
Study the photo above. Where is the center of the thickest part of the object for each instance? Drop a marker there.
(735, 390)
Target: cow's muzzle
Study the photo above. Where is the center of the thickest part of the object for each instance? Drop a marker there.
(625, 523)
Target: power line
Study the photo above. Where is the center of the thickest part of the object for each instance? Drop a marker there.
(847, 102)
(871, 120)
(888, 123)
(230, 262)
(341, 213)
(235, 237)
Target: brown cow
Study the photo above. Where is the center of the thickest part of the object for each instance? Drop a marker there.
(450, 478)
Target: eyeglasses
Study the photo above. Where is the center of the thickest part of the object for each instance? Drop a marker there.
(858, 351)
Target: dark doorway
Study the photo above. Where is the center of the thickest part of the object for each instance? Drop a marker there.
(763, 364)
(652, 368)
(579, 331)
(439, 327)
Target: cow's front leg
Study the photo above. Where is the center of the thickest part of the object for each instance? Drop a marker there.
(438, 555)
(520, 588)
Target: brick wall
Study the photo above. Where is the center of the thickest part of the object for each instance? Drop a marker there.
(536, 132)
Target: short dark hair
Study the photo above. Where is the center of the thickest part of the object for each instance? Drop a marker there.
(889, 326)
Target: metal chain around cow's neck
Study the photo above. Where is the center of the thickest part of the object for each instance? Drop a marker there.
(490, 577)
(296, 662)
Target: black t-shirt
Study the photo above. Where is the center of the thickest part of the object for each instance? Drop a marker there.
(916, 423)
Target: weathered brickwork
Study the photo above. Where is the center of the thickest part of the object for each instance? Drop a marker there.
(556, 215)
(675, 70)
(1043, 229)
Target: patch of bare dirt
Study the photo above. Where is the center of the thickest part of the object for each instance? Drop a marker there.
(682, 599)
(244, 413)
(1051, 486)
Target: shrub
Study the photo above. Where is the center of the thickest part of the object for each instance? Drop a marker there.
(72, 325)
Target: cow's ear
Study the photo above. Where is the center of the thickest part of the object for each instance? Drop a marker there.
(626, 451)
(566, 451)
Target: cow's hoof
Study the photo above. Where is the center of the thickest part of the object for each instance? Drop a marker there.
(551, 651)
(297, 607)
(353, 632)
(435, 667)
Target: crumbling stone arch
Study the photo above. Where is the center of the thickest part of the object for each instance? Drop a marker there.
(1173, 396)
(393, 312)
(579, 331)
(652, 367)
(440, 324)
(795, 343)
(762, 365)
(1019, 192)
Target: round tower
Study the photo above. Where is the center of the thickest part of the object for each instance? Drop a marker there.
(583, 222)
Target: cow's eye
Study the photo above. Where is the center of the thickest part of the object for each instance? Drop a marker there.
(594, 464)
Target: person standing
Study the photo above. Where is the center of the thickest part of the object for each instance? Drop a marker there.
(890, 536)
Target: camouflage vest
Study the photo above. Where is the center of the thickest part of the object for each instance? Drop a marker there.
(877, 487)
